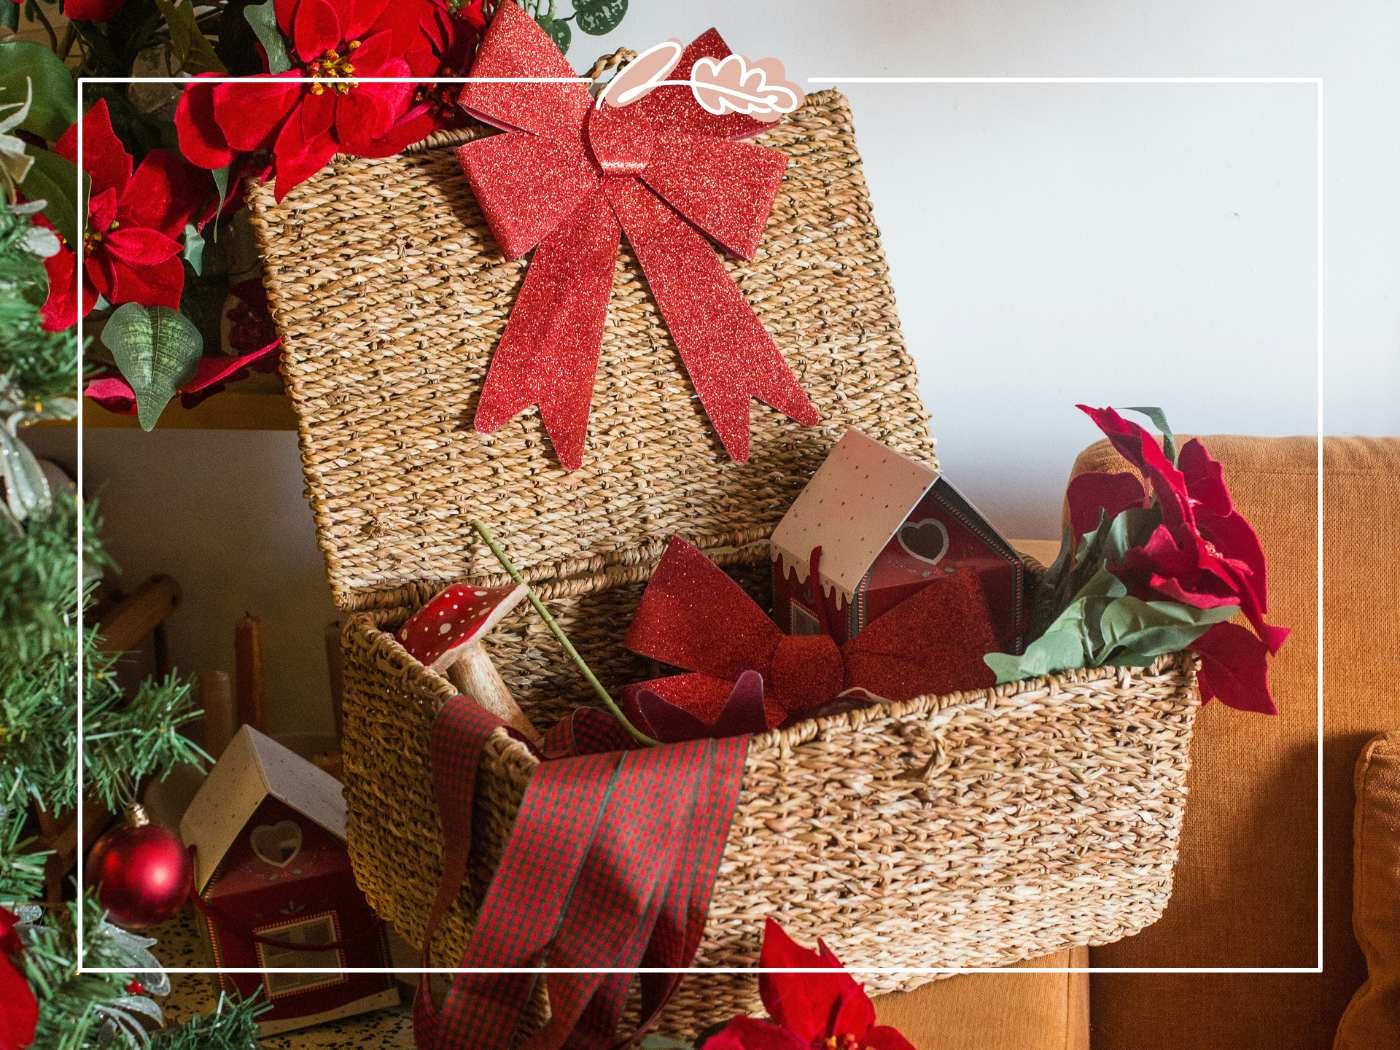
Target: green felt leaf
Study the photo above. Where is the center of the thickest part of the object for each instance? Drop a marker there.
(1148, 629)
(192, 49)
(558, 31)
(194, 248)
(54, 179)
(156, 349)
(54, 105)
(1159, 420)
(263, 20)
(596, 17)
(9, 16)
(664, 1042)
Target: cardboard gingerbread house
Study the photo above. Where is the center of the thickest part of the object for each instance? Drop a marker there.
(277, 893)
(886, 526)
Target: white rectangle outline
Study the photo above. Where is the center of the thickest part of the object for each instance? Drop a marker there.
(1318, 85)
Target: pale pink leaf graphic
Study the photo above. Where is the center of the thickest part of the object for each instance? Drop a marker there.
(642, 75)
(734, 85)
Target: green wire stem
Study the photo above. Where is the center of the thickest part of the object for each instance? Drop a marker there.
(489, 538)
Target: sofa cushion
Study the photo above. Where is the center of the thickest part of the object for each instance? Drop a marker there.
(997, 1011)
(1373, 1018)
(1246, 884)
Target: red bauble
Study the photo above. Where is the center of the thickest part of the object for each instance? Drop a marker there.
(141, 871)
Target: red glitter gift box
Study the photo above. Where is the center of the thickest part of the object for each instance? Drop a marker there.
(887, 526)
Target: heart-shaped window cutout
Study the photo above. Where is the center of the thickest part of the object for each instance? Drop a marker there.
(277, 843)
(926, 540)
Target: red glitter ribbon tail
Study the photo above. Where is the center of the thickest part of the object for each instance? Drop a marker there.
(727, 352)
(548, 355)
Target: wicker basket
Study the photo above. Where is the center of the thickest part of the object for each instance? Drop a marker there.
(966, 830)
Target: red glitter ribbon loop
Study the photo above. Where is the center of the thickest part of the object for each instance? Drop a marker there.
(568, 179)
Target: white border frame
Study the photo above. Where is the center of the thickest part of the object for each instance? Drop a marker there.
(1317, 83)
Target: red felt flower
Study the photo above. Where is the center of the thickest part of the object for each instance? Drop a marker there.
(1204, 554)
(807, 1011)
(304, 123)
(135, 219)
(19, 1011)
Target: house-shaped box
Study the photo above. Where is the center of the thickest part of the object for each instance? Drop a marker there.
(886, 526)
(272, 871)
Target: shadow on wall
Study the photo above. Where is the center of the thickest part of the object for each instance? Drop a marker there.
(223, 513)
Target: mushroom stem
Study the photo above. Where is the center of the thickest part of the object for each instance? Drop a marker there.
(476, 676)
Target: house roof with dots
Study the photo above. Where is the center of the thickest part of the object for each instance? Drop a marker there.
(854, 503)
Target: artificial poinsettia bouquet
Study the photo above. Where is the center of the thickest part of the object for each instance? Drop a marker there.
(163, 236)
(1154, 562)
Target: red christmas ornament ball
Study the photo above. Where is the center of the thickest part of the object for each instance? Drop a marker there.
(142, 872)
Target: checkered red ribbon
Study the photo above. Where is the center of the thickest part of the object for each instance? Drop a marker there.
(610, 863)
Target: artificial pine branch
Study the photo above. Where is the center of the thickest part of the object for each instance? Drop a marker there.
(232, 1026)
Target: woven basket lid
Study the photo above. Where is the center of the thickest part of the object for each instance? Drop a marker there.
(390, 295)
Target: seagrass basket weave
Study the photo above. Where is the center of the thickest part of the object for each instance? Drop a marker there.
(971, 829)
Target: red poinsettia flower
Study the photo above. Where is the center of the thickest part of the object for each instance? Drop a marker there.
(1204, 554)
(135, 219)
(447, 40)
(807, 1011)
(19, 1011)
(303, 123)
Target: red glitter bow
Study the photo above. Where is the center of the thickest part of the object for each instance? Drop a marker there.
(568, 179)
(693, 616)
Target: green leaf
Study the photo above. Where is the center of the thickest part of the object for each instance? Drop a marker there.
(55, 100)
(1147, 629)
(263, 19)
(1069, 641)
(194, 248)
(156, 349)
(54, 179)
(9, 16)
(192, 49)
(1159, 420)
(558, 31)
(664, 1042)
(596, 17)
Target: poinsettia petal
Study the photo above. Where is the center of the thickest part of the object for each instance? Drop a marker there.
(286, 11)
(19, 1009)
(359, 17)
(316, 29)
(252, 111)
(160, 284)
(60, 309)
(105, 159)
(1234, 669)
(100, 278)
(140, 247)
(298, 156)
(317, 114)
(201, 140)
(363, 114)
(166, 194)
(92, 10)
(803, 1003)
(115, 395)
(1144, 451)
(748, 1033)
(1090, 495)
(1205, 478)
(102, 209)
(855, 1014)
(883, 1037)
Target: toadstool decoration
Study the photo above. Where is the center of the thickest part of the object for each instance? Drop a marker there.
(446, 635)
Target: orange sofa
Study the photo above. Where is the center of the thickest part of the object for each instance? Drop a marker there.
(1246, 886)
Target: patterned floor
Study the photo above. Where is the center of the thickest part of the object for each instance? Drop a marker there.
(178, 945)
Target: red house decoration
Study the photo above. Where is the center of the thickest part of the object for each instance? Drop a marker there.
(268, 829)
(886, 525)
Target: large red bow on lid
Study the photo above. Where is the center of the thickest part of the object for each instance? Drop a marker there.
(692, 615)
(568, 179)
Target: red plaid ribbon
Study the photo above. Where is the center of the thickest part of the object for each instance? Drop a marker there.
(610, 863)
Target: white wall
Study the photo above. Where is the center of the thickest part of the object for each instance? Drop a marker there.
(1124, 244)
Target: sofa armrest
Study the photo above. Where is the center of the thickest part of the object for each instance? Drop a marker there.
(997, 1011)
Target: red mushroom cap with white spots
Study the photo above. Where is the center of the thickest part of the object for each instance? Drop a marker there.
(456, 617)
